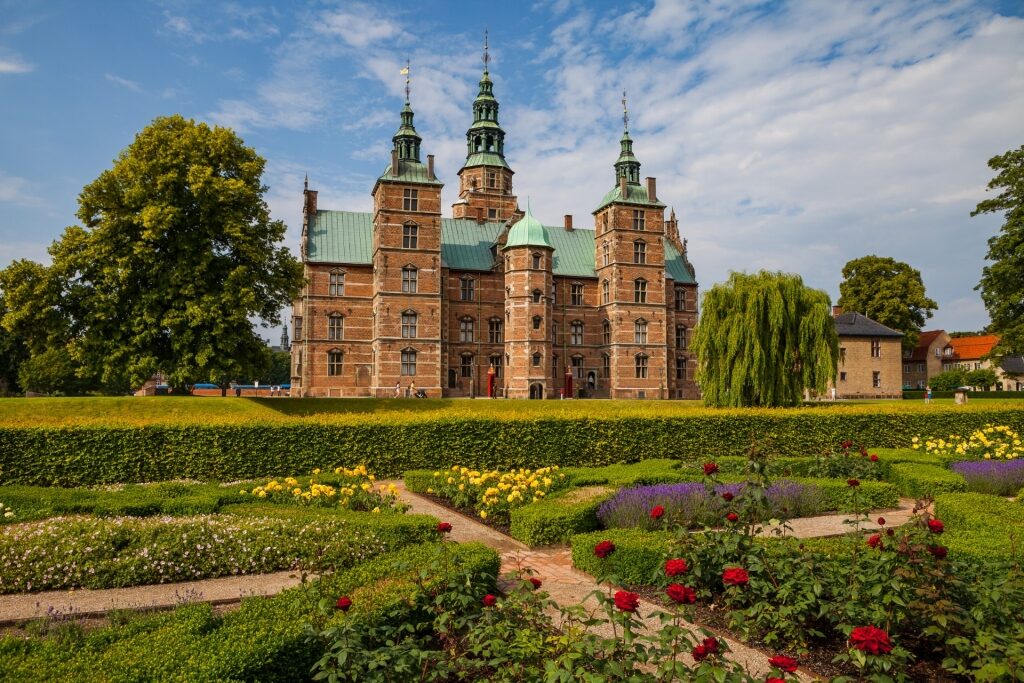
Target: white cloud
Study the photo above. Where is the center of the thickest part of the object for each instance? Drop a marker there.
(125, 83)
(19, 191)
(14, 65)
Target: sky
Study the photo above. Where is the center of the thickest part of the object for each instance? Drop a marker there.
(790, 136)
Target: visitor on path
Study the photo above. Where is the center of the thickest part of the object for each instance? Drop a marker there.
(398, 389)
(412, 389)
(928, 394)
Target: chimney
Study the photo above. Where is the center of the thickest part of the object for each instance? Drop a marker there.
(837, 311)
(568, 222)
(652, 189)
(479, 214)
(430, 167)
(310, 208)
(394, 162)
(622, 187)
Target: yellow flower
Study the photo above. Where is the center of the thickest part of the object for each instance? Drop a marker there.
(376, 509)
(316, 471)
(483, 514)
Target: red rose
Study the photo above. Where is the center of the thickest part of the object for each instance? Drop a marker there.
(890, 532)
(711, 645)
(735, 576)
(852, 483)
(710, 468)
(864, 451)
(344, 603)
(444, 528)
(935, 526)
(873, 458)
(870, 639)
(489, 600)
(874, 540)
(732, 517)
(881, 521)
(699, 653)
(774, 679)
(657, 511)
(783, 663)
(536, 582)
(676, 567)
(938, 551)
(847, 444)
(604, 549)
(684, 595)
(727, 497)
(626, 601)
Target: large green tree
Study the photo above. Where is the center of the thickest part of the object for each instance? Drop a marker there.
(887, 291)
(176, 257)
(1002, 282)
(763, 339)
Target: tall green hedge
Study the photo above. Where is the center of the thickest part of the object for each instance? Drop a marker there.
(71, 456)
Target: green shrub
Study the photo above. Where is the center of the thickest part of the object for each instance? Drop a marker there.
(581, 434)
(418, 481)
(556, 519)
(981, 528)
(637, 560)
(924, 481)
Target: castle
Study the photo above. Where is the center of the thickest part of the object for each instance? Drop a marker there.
(492, 302)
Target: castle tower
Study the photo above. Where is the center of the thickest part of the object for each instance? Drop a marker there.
(630, 264)
(406, 256)
(485, 179)
(528, 258)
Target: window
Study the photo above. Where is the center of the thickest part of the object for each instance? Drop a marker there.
(606, 332)
(876, 348)
(842, 355)
(495, 362)
(492, 179)
(536, 360)
(681, 368)
(536, 261)
(410, 200)
(638, 219)
(906, 368)
(554, 294)
(410, 277)
(842, 376)
(410, 236)
(576, 333)
(298, 363)
(554, 365)
(337, 284)
(604, 292)
(334, 363)
(335, 327)
(640, 331)
(408, 325)
(298, 328)
(536, 322)
(876, 379)
(640, 291)
(577, 367)
(680, 336)
(494, 330)
(408, 363)
(680, 299)
(606, 365)
(639, 252)
(641, 366)
(467, 289)
(605, 253)
(576, 294)
(537, 294)
(466, 330)
(920, 367)
(466, 367)
(554, 333)
(492, 213)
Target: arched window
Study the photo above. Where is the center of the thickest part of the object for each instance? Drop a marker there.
(335, 327)
(536, 360)
(408, 362)
(536, 261)
(606, 365)
(408, 324)
(466, 327)
(410, 279)
(576, 333)
(536, 322)
(606, 332)
(335, 361)
(604, 292)
(641, 366)
(639, 291)
(466, 366)
(537, 295)
(640, 331)
(337, 283)
(639, 251)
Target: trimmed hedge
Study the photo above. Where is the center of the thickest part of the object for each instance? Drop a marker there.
(981, 528)
(397, 442)
(918, 395)
(925, 481)
(263, 641)
(556, 519)
(638, 558)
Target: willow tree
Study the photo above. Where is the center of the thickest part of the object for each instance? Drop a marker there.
(763, 339)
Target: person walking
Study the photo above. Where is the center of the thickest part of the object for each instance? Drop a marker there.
(398, 389)
(928, 394)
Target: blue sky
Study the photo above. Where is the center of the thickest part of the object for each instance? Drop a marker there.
(787, 135)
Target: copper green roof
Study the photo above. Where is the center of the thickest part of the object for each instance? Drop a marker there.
(346, 237)
(409, 172)
(527, 232)
(485, 159)
(635, 194)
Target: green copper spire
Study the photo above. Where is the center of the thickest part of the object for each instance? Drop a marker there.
(528, 232)
(628, 166)
(485, 140)
(407, 140)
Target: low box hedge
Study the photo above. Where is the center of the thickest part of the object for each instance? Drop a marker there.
(556, 519)
(982, 528)
(638, 558)
(916, 480)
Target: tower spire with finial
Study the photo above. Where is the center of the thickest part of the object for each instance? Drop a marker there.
(625, 113)
(407, 141)
(627, 166)
(406, 72)
(487, 54)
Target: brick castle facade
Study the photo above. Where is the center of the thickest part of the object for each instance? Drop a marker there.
(491, 301)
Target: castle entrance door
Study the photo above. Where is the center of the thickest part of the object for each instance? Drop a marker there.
(536, 390)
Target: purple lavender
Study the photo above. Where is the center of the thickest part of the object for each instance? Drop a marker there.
(689, 504)
(998, 477)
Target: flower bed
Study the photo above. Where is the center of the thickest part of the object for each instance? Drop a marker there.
(1000, 478)
(991, 442)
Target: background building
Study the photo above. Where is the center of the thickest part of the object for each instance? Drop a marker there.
(869, 358)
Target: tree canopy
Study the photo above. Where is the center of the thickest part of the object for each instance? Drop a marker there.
(175, 257)
(763, 339)
(1002, 282)
(889, 292)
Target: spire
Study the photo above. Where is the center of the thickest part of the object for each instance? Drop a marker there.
(485, 140)
(627, 166)
(407, 140)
